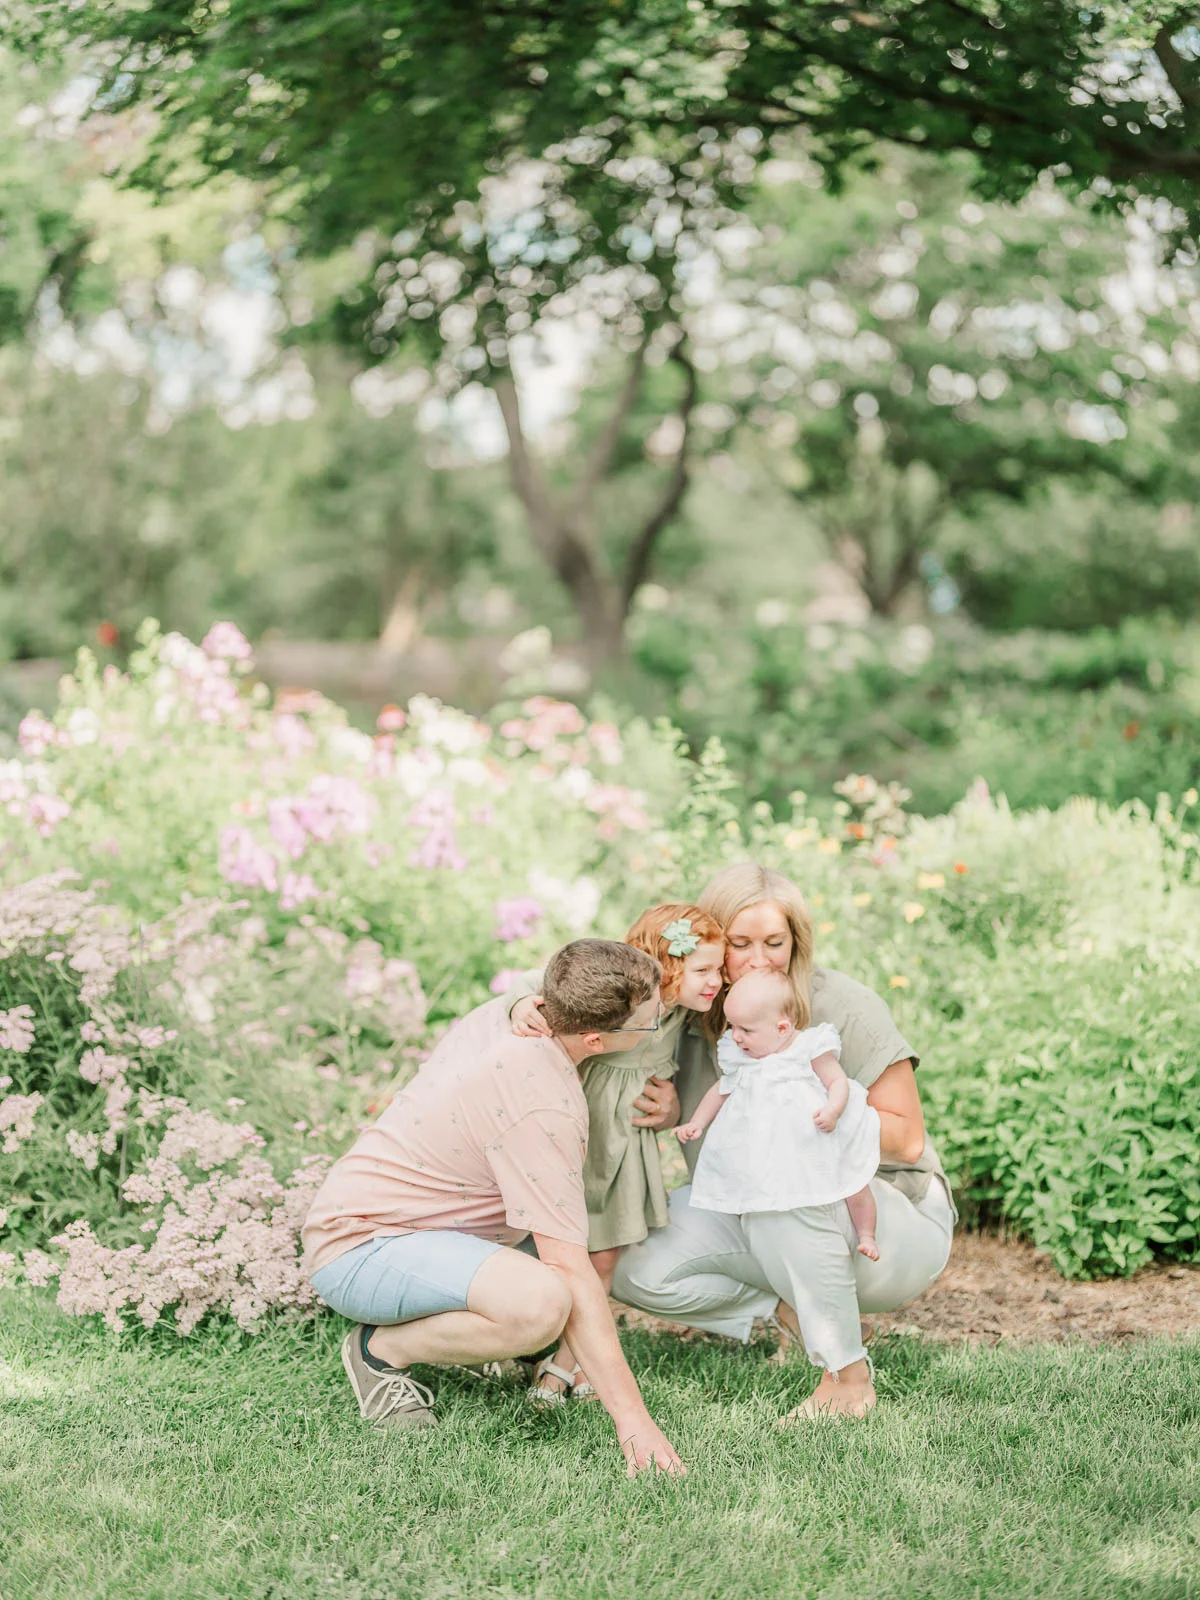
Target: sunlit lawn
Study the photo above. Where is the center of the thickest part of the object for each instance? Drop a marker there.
(230, 1468)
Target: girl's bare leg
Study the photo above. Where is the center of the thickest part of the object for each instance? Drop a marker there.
(861, 1207)
(605, 1263)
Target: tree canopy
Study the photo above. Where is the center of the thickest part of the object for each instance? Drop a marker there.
(374, 115)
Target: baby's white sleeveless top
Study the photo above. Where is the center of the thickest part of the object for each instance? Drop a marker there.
(764, 1152)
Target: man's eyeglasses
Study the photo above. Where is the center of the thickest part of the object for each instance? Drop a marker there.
(653, 1028)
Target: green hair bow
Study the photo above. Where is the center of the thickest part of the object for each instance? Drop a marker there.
(681, 941)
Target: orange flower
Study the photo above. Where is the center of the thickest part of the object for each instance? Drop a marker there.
(961, 868)
(107, 634)
(856, 830)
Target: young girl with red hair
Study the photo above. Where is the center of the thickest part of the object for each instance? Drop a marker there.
(622, 1175)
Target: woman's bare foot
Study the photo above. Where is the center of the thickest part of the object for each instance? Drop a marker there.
(849, 1393)
(867, 1247)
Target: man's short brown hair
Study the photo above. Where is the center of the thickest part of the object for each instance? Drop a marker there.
(595, 985)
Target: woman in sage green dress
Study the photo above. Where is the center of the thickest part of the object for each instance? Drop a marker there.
(622, 1174)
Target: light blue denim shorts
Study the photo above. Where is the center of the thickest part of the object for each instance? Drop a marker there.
(398, 1280)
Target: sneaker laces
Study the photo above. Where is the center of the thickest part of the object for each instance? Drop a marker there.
(396, 1391)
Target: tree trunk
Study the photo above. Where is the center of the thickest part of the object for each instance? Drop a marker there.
(563, 530)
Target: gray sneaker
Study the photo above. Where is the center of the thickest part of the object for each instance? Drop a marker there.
(388, 1399)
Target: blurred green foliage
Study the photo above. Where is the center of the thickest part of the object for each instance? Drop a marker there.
(1114, 714)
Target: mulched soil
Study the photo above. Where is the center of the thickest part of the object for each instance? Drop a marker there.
(996, 1289)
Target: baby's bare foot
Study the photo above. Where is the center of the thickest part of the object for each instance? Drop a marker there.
(867, 1247)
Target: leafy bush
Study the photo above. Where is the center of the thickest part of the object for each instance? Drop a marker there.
(1114, 714)
(230, 927)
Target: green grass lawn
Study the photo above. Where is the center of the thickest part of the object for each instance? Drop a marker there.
(233, 1468)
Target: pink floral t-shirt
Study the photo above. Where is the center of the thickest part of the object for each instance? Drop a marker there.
(488, 1138)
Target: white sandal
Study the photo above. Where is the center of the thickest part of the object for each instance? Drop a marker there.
(575, 1385)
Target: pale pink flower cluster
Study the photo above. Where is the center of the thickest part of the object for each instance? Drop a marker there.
(92, 938)
(37, 734)
(504, 980)
(292, 734)
(548, 725)
(333, 805)
(436, 725)
(26, 791)
(225, 641)
(243, 861)
(619, 807)
(98, 1067)
(518, 918)
(296, 890)
(228, 1242)
(16, 1029)
(387, 985)
(84, 1147)
(17, 1112)
(203, 684)
(436, 813)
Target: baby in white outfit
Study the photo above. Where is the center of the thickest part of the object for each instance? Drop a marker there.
(794, 1130)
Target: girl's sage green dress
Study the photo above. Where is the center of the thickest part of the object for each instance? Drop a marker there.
(622, 1174)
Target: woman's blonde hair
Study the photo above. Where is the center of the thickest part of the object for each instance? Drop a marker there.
(745, 884)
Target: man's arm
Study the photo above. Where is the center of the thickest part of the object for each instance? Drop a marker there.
(895, 1096)
(592, 1336)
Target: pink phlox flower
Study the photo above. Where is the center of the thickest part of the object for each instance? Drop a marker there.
(550, 721)
(286, 827)
(390, 985)
(504, 980)
(517, 918)
(46, 811)
(334, 803)
(297, 888)
(606, 737)
(37, 734)
(377, 852)
(619, 806)
(225, 641)
(391, 719)
(17, 1029)
(8, 1268)
(292, 734)
(432, 810)
(242, 860)
(439, 849)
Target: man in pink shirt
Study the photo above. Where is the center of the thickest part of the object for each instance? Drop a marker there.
(412, 1233)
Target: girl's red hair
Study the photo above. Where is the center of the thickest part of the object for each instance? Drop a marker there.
(647, 934)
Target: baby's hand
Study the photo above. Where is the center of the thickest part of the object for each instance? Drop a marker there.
(527, 1021)
(688, 1130)
(825, 1119)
